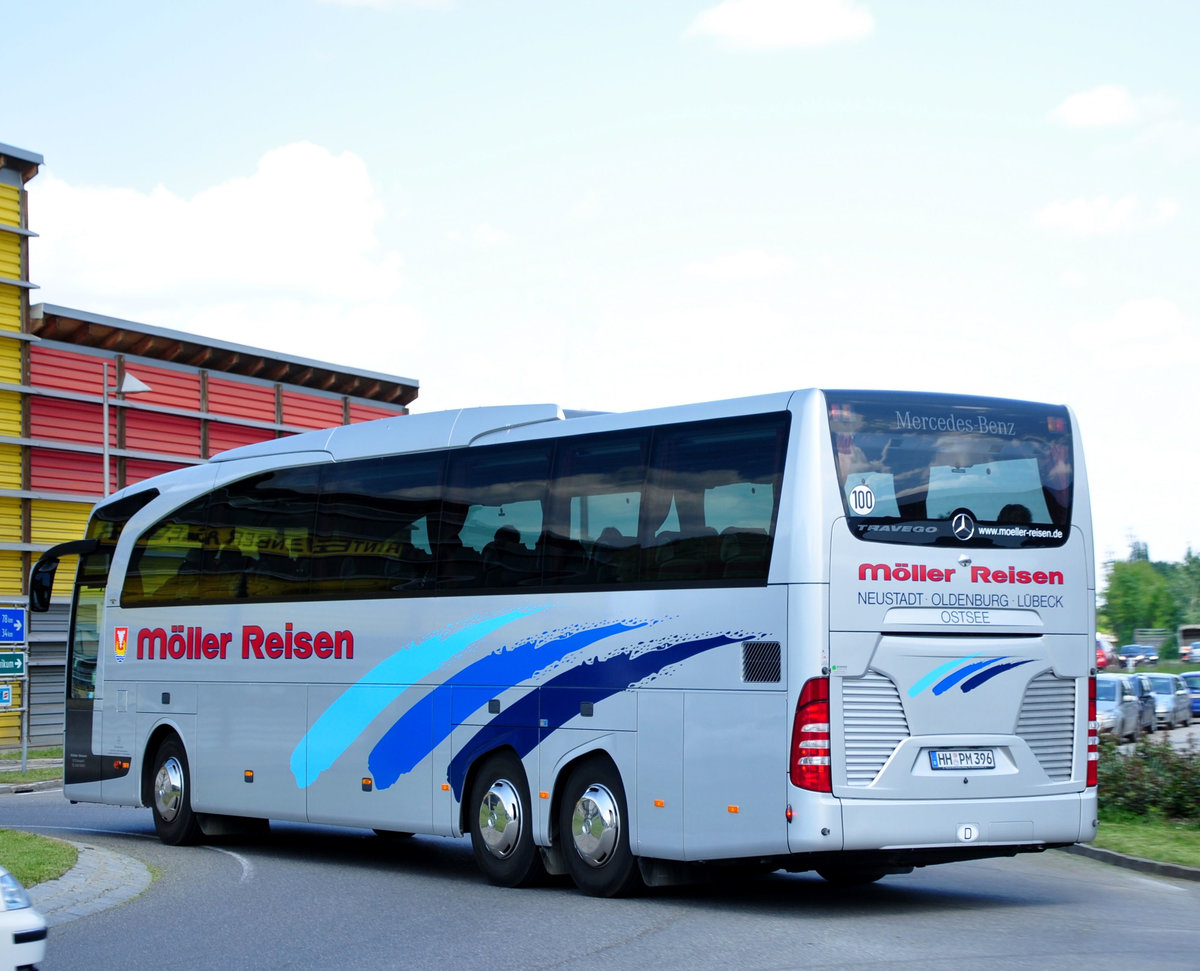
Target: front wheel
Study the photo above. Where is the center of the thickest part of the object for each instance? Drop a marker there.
(594, 829)
(171, 803)
(501, 824)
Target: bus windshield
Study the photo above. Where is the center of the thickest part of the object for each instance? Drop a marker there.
(936, 469)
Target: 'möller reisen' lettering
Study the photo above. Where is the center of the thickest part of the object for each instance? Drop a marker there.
(194, 643)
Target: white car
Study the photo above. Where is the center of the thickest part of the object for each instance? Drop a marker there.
(22, 929)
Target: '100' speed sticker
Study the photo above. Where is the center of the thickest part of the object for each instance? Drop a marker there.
(862, 500)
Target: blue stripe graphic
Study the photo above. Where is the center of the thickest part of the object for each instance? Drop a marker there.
(352, 711)
(416, 733)
(937, 672)
(947, 683)
(990, 673)
(593, 682)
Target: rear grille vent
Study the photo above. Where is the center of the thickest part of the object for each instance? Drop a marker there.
(761, 662)
(1047, 723)
(873, 725)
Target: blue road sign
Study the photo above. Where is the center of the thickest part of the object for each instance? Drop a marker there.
(12, 625)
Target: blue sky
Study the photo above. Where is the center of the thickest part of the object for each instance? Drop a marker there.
(631, 203)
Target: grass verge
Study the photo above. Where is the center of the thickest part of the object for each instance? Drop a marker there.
(1165, 840)
(35, 859)
(14, 755)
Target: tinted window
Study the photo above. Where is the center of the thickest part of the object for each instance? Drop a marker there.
(972, 471)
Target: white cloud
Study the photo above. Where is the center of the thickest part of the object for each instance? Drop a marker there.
(1150, 336)
(262, 260)
(775, 24)
(743, 267)
(1101, 215)
(262, 233)
(1109, 104)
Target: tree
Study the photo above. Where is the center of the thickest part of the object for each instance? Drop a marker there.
(1138, 594)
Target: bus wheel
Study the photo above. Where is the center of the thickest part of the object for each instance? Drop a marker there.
(501, 823)
(594, 829)
(174, 820)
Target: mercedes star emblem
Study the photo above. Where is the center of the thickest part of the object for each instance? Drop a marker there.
(963, 526)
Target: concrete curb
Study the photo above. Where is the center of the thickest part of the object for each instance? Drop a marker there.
(100, 879)
(1176, 870)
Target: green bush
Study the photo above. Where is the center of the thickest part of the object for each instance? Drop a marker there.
(1153, 780)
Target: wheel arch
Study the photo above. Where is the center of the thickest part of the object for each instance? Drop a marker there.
(160, 733)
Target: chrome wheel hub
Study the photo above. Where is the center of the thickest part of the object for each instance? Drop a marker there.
(168, 789)
(595, 825)
(500, 819)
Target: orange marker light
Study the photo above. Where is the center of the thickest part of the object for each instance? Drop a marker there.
(445, 787)
(734, 809)
(248, 775)
(658, 804)
(543, 795)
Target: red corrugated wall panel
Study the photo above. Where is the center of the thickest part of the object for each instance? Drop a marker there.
(310, 411)
(238, 399)
(153, 432)
(70, 421)
(49, 368)
(138, 470)
(222, 437)
(368, 413)
(168, 388)
(53, 471)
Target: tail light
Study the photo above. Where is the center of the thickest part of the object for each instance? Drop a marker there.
(1093, 736)
(810, 738)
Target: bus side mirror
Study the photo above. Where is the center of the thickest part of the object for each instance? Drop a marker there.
(41, 577)
(41, 584)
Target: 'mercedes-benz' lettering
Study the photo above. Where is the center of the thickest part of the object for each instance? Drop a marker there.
(195, 643)
(980, 424)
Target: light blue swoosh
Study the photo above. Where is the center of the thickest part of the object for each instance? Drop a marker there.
(937, 672)
(356, 707)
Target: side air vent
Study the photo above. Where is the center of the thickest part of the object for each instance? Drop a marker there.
(873, 724)
(1047, 723)
(761, 662)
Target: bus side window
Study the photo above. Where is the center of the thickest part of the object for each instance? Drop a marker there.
(711, 499)
(166, 561)
(596, 504)
(494, 517)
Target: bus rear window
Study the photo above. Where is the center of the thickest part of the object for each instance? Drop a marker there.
(945, 470)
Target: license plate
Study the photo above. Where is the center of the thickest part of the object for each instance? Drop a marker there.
(962, 758)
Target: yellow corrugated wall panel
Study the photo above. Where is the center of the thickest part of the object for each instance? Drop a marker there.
(10, 361)
(10, 205)
(10, 466)
(10, 413)
(10, 520)
(10, 307)
(57, 522)
(10, 256)
(12, 572)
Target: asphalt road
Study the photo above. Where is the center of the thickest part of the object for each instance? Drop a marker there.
(318, 897)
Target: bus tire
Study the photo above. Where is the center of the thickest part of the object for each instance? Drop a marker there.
(593, 826)
(501, 823)
(171, 796)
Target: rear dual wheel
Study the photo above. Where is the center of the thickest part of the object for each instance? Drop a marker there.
(593, 827)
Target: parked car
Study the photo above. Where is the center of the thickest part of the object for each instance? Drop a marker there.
(1192, 680)
(1131, 655)
(22, 929)
(1117, 709)
(1147, 701)
(1150, 654)
(1101, 658)
(1172, 702)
